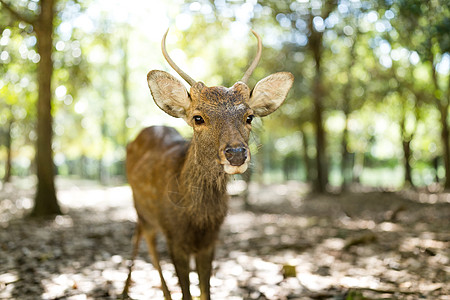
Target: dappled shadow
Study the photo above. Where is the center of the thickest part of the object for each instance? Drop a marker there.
(69, 254)
(290, 245)
(375, 242)
(57, 258)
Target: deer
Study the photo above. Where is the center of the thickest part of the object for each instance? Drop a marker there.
(179, 186)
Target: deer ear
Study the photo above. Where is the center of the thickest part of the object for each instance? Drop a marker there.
(169, 93)
(270, 92)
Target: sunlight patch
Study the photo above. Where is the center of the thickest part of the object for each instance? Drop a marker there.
(63, 221)
(7, 284)
(315, 282)
(334, 243)
(360, 282)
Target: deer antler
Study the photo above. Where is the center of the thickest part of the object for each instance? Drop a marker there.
(173, 65)
(255, 61)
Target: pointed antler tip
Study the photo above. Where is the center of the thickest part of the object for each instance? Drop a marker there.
(177, 69)
(255, 62)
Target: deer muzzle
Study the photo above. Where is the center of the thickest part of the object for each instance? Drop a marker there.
(236, 156)
(237, 159)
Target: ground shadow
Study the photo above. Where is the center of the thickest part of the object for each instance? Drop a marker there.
(288, 246)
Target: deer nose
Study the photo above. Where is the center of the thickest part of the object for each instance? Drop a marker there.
(236, 155)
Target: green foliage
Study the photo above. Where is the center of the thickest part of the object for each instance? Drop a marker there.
(378, 63)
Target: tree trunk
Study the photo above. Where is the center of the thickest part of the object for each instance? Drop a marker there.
(346, 165)
(306, 160)
(321, 164)
(8, 162)
(346, 169)
(406, 143)
(443, 106)
(407, 156)
(46, 203)
(316, 47)
(435, 163)
(446, 144)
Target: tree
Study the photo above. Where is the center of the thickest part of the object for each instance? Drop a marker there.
(8, 142)
(345, 58)
(42, 19)
(428, 26)
(315, 45)
(306, 24)
(17, 97)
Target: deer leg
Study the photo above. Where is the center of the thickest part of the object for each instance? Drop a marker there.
(203, 261)
(136, 241)
(150, 237)
(180, 260)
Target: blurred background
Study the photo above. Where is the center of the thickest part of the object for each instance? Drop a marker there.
(369, 105)
(348, 193)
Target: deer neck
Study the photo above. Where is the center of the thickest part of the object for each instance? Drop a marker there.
(202, 172)
(203, 184)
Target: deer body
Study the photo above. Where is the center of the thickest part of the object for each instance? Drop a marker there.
(179, 186)
(184, 202)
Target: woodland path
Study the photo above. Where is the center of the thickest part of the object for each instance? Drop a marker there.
(288, 245)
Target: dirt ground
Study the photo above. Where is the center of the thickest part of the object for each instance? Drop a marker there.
(288, 245)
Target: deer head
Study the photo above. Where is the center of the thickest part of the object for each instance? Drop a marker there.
(221, 117)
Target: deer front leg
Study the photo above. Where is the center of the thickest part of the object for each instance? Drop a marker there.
(150, 237)
(136, 241)
(203, 261)
(180, 260)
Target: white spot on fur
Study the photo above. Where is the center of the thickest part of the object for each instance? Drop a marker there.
(240, 106)
(229, 169)
(237, 107)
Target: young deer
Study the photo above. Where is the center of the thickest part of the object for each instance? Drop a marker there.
(179, 187)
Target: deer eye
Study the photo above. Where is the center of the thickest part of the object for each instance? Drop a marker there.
(250, 119)
(198, 120)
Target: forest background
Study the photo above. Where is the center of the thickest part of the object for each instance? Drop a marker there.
(348, 193)
(369, 105)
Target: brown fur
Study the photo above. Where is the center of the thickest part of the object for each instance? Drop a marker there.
(179, 186)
